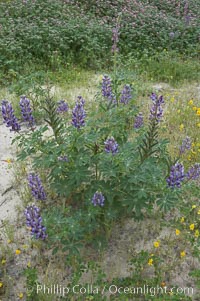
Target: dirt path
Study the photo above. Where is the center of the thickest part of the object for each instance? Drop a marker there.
(9, 198)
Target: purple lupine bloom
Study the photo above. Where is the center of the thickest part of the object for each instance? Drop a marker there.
(62, 106)
(176, 176)
(194, 172)
(63, 158)
(172, 35)
(111, 146)
(186, 145)
(115, 39)
(156, 111)
(9, 117)
(37, 189)
(126, 94)
(139, 120)
(34, 221)
(98, 199)
(106, 89)
(78, 113)
(26, 111)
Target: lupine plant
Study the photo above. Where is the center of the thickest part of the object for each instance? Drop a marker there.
(98, 199)
(186, 145)
(36, 187)
(26, 111)
(8, 116)
(78, 113)
(139, 120)
(62, 106)
(176, 175)
(34, 222)
(106, 165)
(111, 146)
(126, 94)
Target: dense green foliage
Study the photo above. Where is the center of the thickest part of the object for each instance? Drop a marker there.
(55, 32)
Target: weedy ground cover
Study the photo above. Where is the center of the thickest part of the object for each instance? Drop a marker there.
(62, 33)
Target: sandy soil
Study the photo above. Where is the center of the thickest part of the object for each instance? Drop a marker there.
(9, 197)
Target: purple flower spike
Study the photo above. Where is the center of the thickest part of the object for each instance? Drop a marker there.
(115, 39)
(126, 95)
(78, 113)
(37, 189)
(63, 158)
(98, 199)
(186, 145)
(106, 89)
(62, 106)
(9, 117)
(176, 176)
(111, 146)
(34, 221)
(194, 172)
(26, 111)
(156, 111)
(139, 120)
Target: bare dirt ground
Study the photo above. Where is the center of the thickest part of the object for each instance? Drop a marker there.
(9, 197)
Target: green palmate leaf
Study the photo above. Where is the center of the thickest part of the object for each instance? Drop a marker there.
(168, 200)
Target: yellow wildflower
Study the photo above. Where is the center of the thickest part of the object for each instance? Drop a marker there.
(182, 219)
(178, 232)
(17, 252)
(189, 158)
(150, 262)
(163, 284)
(192, 227)
(101, 77)
(190, 102)
(194, 108)
(181, 127)
(9, 241)
(29, 264)
(198, 124)
(156, 244)
(178, 111)
(196, 234)
(182, 254)
(20, 295)
(198, 211)
(198, 112)
(194, 206)
(172, 99)
(1, 284)
(3, 261)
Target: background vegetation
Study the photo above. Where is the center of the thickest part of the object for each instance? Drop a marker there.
(60, 33)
